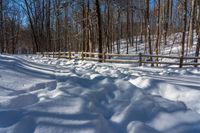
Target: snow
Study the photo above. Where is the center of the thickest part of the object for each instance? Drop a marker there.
(46, 95)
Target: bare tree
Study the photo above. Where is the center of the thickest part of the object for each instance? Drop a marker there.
(148, 30)
(198, 32)
(158, 30)
(1, 27)
(183, 34)
(100, 44)
(190, 39)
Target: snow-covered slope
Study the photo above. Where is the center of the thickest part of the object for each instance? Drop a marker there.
(173, 47)
(44, 95)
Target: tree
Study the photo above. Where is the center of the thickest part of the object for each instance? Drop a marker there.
(148, 30)
(127, 26)
(158, 30)
(198, 32)
(48, 25)
(192, 24)
(166, 21)
(100, 45)
(183, 34)
(31, 21)
(1, 27)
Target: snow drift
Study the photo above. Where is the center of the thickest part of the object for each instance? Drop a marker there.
(43, 95)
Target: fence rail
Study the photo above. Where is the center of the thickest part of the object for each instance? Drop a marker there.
(131, 58)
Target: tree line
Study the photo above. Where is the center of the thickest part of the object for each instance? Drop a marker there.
(30, 26)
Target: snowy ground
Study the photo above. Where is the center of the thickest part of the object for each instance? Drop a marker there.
(45, 95)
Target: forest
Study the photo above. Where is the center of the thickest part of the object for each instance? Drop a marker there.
(30, 26)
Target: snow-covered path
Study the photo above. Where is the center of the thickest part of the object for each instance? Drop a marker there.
(45, 95)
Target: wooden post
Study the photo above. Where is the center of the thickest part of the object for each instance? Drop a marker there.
(42, 54)
(70, 55)
(64, 54)
(196, 61)
(140, 59)
(82, 56)
(104, 56)
(181, 62)
(59, 54)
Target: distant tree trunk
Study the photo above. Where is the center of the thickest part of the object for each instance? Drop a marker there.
(98, 10)
(132, 26)
(118, 31)
(1, 27)
(141, 30)
(158, 31)
(190, 39)
(127, 26)
(14, 34)
(66, 36)
(48, 25)
(89, 29)
(197, 48)
(58, 38)
(183, 34)
(83, 26)
(34, 33)
(107, 26)
(198, 32)
(166, 22)
(171, 12)
(146, 31)
(149, 30)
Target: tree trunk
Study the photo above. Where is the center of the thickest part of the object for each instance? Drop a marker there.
(183, 34)
(83, 26)
(98, 10)
(158, 31)
(166, 22)
(198, 32)
(1, 27)
(48, 25)
(190, 39)
(148, 31)
(34, 34)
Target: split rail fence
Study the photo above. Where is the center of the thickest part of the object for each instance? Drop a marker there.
(125, 58)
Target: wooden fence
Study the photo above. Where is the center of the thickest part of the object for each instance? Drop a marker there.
(129, 58)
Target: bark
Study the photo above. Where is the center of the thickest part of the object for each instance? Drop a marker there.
(190, 39)
(1, 27)
(98, 10)
(48, 25)
(183, 34)
(83, 26)
(149, 30)
(166, 22)
(158, 30)
(198, 32)
(32, 27)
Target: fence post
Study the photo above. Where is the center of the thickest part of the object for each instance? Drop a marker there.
(82, 56)
(181, 62)
(196, 61)
(140, 59)
(69, 55)
(59, 54)
(104, 56)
